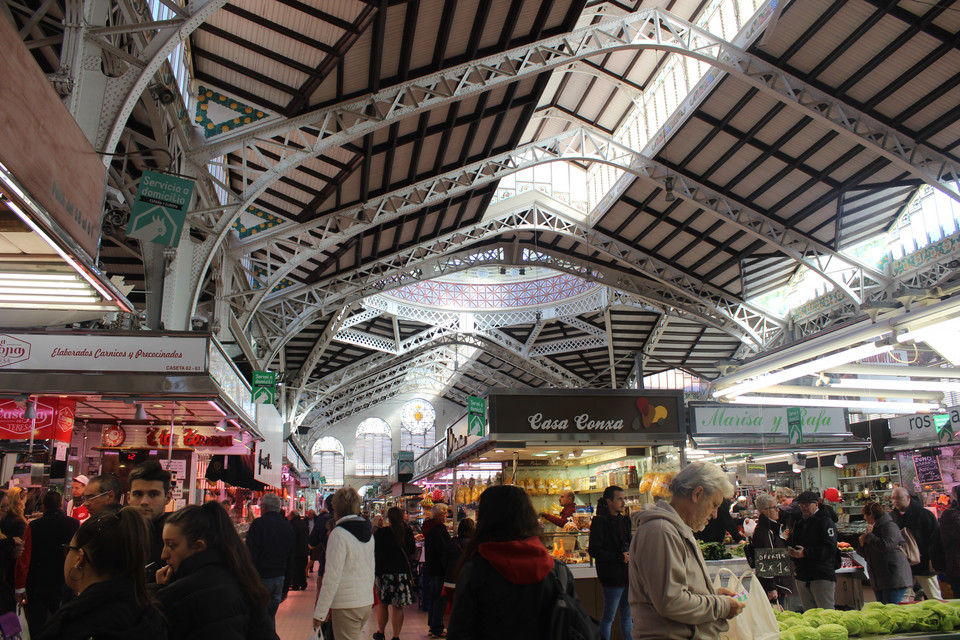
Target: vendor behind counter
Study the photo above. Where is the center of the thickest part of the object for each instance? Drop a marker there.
(567, 499)
(717, 528)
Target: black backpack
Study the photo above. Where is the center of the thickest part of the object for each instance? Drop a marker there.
(568, 620)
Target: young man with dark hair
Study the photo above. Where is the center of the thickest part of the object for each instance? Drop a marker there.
(150, 492)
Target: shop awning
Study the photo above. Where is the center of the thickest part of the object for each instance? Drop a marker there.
(905, 444)
(778, 443)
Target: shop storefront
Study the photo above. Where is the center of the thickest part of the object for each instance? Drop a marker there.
(927, 453)
(174, 397)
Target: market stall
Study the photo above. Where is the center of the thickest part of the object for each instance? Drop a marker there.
(927, 452)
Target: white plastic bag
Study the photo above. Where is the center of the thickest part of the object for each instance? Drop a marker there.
(316, 634)
(749, 526)
(756, 621)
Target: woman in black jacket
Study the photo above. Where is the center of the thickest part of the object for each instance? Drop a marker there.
(767, 536)
(210, 588)
(104, 567)
(887, 564)
(300, 551)
(609, 548)
(504, 584)
(393, 547)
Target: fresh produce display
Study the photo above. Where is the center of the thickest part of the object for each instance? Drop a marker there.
(737, 550)
(845, 546)
(929, 616)
(714, 551)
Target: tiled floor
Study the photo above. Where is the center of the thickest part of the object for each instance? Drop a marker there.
(296, 614)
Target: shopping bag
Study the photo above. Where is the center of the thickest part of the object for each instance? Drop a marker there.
(316, 634)
(10, 626)
(22, 617)
(757, 620)
(910, 548)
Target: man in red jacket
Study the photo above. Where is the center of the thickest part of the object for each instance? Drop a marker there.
(567, 498)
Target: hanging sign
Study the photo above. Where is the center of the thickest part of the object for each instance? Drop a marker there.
(794, 425)
(927, 427)
(100, 353)
(264, 385)
(476, 416)
(54, 420)
(587, 415)
(160, 208)
(762, 420)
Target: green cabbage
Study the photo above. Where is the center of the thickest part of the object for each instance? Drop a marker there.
(817, 617)
(877, 622)
(853, 621)
(800, 633)
(832, 632)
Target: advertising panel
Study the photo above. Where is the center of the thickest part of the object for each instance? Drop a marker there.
(747, 419)
(44, 148)
(924, 427)
(587, 415)
(106, 353)
(54, 420)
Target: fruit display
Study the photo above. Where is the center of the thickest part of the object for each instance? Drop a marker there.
(845, 546)
(929, 616)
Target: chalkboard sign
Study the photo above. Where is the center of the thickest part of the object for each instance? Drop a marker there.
(928, 469)
(772, 563)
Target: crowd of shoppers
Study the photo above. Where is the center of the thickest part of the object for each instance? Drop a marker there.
(207, 581)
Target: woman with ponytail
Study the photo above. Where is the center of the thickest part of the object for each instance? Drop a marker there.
(394, 546)
(104, 566)
(210, 588)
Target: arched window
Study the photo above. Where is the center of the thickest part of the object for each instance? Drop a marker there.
(374, 450)
(418, 431)
(328, 460)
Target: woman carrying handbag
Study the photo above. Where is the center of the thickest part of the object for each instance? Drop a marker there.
(393, 547)
(882, 546)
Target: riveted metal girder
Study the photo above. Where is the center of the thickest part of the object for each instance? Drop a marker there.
(122, 93)
(299, 306)
(311, 239)
(299, 139)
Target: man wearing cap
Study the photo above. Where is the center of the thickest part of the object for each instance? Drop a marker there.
(813, 546)
(75, 507)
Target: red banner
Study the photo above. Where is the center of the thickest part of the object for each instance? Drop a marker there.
(54, 420)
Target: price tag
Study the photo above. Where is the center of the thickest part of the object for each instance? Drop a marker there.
(772, 563)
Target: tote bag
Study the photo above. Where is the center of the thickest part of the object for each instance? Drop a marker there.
(757, 620)
(910, 547)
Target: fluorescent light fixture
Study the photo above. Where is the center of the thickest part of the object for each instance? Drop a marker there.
(902, 384)
(840, 461)
(552, 451)
(879, 406)
(943, 337)
(539, 455)
(498, 450)
(805, 369)
(63, 254)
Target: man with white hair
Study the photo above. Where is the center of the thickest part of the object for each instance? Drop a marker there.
(671, 594)
(909, 514)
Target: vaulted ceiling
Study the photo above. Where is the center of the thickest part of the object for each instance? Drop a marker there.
(382, 133)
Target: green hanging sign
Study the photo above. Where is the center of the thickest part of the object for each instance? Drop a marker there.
(476, 416)
(264, 385)
(160, 208)
(794, 425)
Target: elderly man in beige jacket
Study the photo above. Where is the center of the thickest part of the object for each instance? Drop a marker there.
(671, 595)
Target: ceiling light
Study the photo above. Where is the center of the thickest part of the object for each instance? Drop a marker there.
(839, 461)
(30, 413)
(943, 337)
(791, 458)
(879, 406)
(498, 451)
(797, 468)
(668, 186)
(141, 413)
(901, 384)
(805, 369)
(552, 451)
(539, 455)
